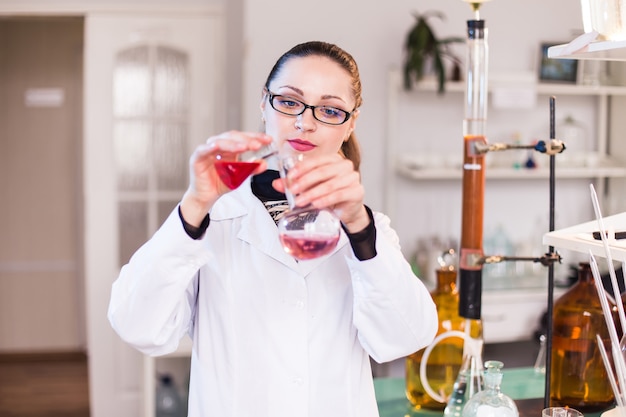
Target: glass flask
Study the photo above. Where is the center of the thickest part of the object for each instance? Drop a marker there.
(491, 402)
(578, 378)
(469, 381)
(233, 168)
(444, 361)
(305, 232)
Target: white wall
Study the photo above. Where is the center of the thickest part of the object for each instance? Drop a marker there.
(374, 33)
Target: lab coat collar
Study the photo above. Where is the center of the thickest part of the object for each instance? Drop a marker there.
(259, 230)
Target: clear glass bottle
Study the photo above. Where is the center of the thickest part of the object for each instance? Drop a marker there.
(445, 359)
(491, 402)
(578, 378)
(168, 401)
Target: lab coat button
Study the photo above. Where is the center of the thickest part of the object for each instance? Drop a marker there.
(300, 304)
(298, 382)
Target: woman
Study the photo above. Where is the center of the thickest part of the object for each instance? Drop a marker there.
(274, 337)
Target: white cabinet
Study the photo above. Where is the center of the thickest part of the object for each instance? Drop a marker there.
(514, 315)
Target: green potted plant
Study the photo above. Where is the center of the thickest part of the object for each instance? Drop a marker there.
(423, 48)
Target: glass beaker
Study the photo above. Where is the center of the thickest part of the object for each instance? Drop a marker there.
(560, 412)
(305, 232)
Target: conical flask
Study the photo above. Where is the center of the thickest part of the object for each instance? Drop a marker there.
(470, 379)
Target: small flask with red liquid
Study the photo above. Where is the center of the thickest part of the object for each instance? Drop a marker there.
(234, 168)
(306, 232)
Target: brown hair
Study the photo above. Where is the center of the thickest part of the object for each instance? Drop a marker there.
(350, 148)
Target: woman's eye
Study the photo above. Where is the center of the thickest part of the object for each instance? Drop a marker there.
(289, 103)
(331, 112)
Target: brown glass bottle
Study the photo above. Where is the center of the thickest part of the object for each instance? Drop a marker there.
(578, 378)
(445, 359)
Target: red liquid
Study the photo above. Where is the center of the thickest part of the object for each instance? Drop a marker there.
(233, 173)
(303, 246)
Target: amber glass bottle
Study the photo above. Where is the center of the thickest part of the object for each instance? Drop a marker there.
(577, 377)
(445, 359)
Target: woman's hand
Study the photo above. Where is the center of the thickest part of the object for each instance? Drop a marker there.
(329, 181)
(205, 186)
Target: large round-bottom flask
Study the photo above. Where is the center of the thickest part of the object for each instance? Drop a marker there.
(578, 378)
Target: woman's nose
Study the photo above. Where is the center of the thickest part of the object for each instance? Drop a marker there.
(305, 120)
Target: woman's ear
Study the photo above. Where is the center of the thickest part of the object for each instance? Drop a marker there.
(263, 97)
(352, 123)
(348, 135)
(262, 108)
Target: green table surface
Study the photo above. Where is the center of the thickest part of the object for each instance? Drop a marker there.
(523, 385)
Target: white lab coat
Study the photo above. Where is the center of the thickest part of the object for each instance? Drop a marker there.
(272, 337)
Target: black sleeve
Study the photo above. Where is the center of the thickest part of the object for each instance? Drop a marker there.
(363, 242)
(194, 232)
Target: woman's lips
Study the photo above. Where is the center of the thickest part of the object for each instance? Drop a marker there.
(301, 145)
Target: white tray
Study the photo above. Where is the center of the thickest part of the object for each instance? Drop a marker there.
(579, 238)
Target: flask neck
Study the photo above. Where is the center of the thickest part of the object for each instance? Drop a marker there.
(584, 273)
(446, 280)
(472, 354)
(493, 381)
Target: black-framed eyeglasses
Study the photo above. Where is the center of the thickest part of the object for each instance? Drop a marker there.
(292, 107)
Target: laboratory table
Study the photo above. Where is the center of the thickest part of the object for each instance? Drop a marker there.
(524, 385)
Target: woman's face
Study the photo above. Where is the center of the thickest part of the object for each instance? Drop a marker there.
(316, 81)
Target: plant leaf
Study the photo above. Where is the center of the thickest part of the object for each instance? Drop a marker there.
(421, 44)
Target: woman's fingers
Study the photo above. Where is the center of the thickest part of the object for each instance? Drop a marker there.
(327, 182)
